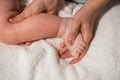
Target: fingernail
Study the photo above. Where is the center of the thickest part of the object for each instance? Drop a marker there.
(12, 20)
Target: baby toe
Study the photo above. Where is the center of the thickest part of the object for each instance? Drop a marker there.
(76, 54)
(78, 49)
(83, 44)
(73, 52)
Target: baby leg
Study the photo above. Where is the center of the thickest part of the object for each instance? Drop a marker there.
(38, 27)
(33, 28)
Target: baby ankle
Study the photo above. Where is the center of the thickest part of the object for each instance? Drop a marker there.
(62, 29)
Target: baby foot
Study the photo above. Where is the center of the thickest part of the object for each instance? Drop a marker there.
(78, 45)
(76, 49)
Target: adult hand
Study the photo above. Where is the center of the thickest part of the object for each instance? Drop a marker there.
(37, 6)
(84, 19)
(83, 23)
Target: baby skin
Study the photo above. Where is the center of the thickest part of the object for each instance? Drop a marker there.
(35, 28)
(78, 46)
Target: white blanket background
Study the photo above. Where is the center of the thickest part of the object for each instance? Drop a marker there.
(41, 62)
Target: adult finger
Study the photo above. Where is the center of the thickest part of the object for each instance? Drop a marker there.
(62, 45)
(18, 18)
(66, 55)
(52, 11)
(63, 51)
(75, 60)
(86, 34)
(73, 33)
(87, 37)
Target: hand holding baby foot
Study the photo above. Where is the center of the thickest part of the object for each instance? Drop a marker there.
(76, 50)
(67, 54)
(37, 6)
(82, 24)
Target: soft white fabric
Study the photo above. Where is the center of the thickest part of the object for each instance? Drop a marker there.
(41, 62)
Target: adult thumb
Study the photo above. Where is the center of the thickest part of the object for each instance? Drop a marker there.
(87, 36)
(71, 36)
(17, 18)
